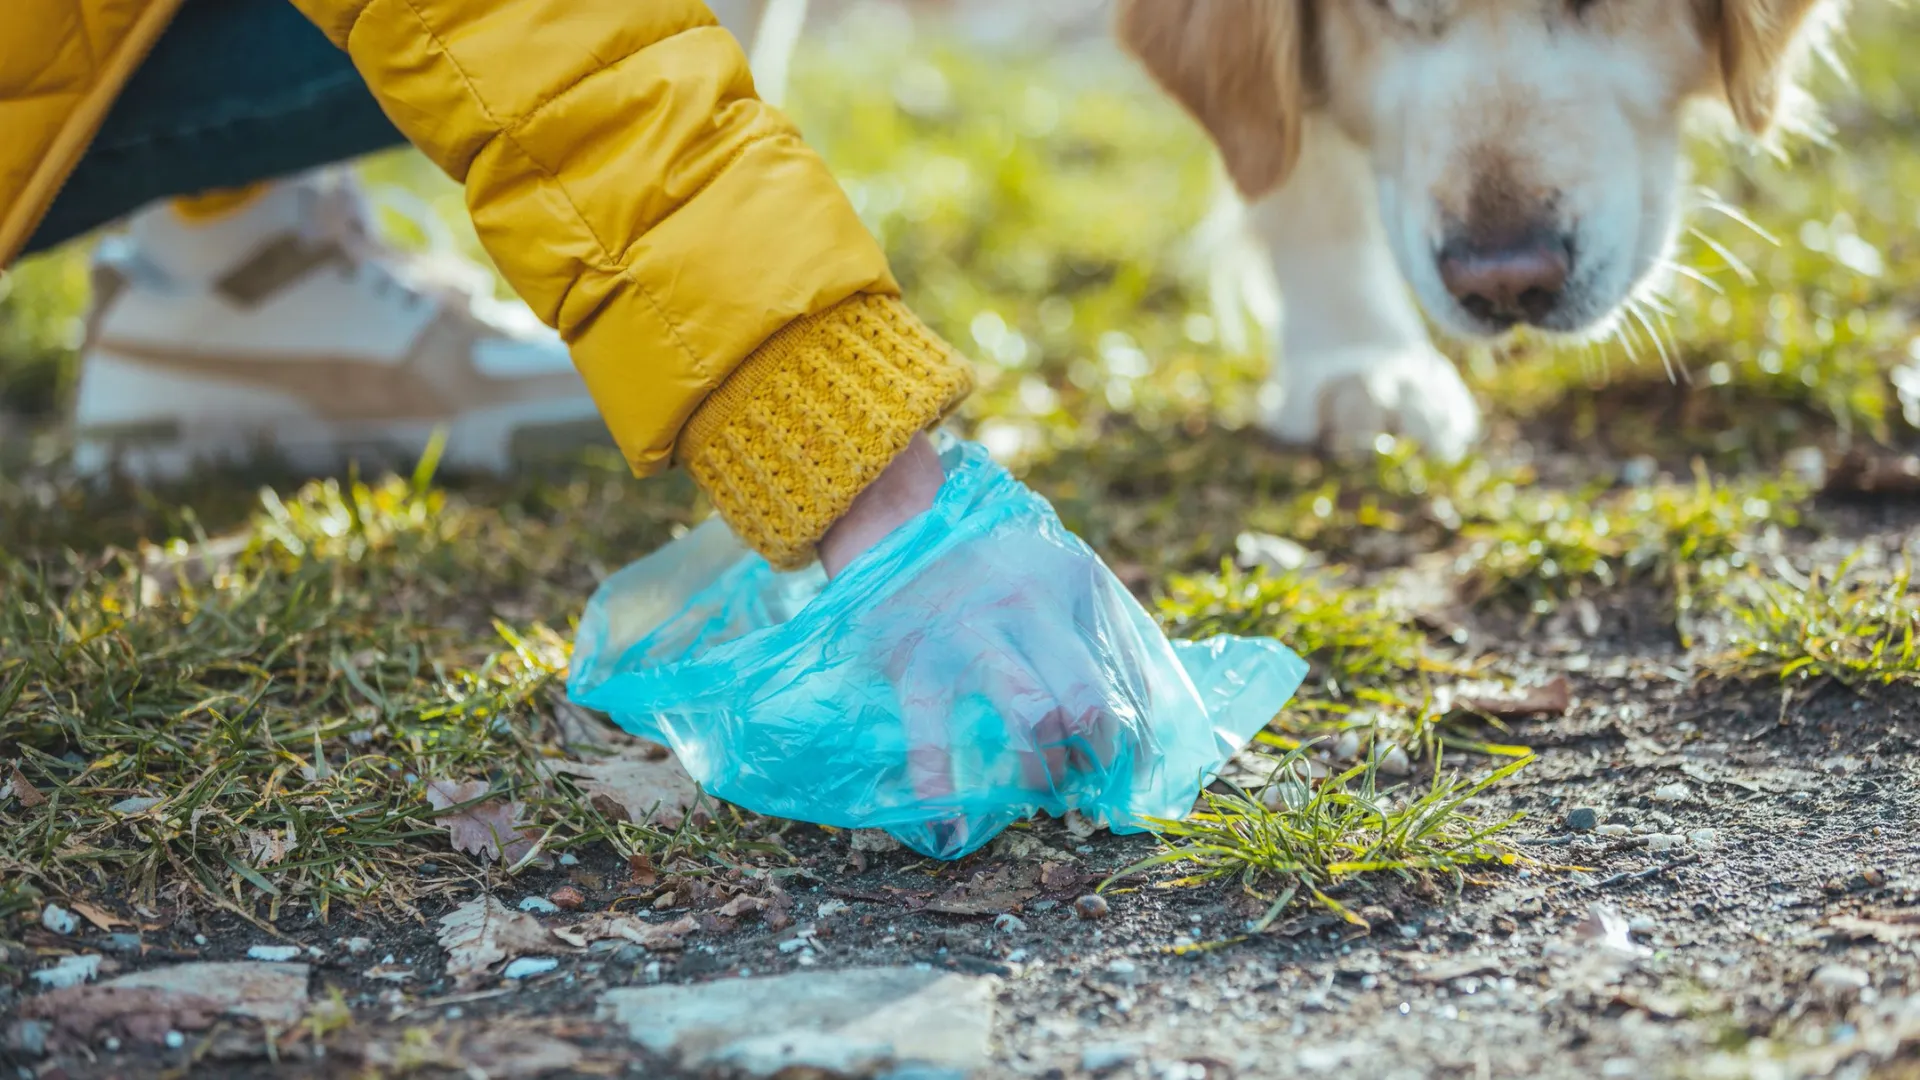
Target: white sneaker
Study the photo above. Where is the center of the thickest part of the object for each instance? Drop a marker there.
(286, 328)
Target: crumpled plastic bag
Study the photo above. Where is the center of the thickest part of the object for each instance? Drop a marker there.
(976, 666)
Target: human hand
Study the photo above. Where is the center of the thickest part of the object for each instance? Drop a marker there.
(901, 493)
(1003, 631)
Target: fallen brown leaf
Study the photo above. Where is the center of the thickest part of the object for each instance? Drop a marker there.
(742, 906)
(480, 933)
(1515, 702)
(488, 829)
(99, 917)
(1886, 927)
(22, 789)
(1863, 473)
(990, 892)
(1061, 877)
(268, 848)
(654, 936)
(635, 785)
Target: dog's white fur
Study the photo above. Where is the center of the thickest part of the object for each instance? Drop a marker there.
(1365, 135)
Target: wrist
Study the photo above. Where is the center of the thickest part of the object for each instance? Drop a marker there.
(903, 491)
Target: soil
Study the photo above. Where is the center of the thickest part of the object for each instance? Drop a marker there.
(1617, 953)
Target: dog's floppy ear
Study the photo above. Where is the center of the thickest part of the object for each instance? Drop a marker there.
(1762, 43)
(1237, 66)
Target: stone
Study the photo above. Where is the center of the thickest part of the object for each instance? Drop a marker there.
(1665, 841)
(58, 919)
(857, 1022)
(273, 953)
(528, 966)
(69, 971)
(1841, 982)
(1091, 906)
(538, 905)
(1100, 1058)
(1583, 819)
(1672, 793)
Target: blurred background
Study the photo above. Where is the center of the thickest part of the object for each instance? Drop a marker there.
(1040, 202)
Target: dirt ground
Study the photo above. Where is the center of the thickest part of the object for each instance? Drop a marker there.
(1745, 904)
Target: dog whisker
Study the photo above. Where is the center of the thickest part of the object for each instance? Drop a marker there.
(1734, 262)
(1694, 275)
(1734, 214)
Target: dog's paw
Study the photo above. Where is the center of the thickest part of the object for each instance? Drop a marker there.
(1343, 402)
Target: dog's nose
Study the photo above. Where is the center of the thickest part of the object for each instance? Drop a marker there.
(1504, 284)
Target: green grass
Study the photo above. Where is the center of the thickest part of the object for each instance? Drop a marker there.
(310, 675)
(212, 644)
(1859, 629)
(1297, 838)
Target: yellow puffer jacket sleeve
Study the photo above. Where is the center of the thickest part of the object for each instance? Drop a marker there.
(724, 304)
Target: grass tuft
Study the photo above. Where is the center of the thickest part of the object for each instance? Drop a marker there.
(1296, 836)
(1857, 630)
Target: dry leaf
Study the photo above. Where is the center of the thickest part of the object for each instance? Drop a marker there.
(1887, 927)
(268, 848)
(489, 829)
(990, 892)
(1061, 877)
(654, 936)
(99, 917)
(637, 785)
(741, 906)
(1515, 702)
(22, 789)
(480, 933)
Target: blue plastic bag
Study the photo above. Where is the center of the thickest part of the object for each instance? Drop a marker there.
(979, 664)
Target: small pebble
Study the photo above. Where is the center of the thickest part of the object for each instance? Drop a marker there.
(1704, 839)
(1008, 923)
(1613, 830)
(528, 966)
(456, 1012)
(123, 943)
(69, 971)
(199, 939)
(1106, 1057)
(793, 944)
(569, 859)
(1672, 793)
(1122, 967)
(355, 946)
(273, 953)
(175, 1040)
(1395, 762)
(110, 1044)
(429, 868)
(1665, 841)
(1044, 905)
(1017, 956)
(539, 904)
(1642, 926)
(830, 908)
(1091, 906)
(568, 898)
(57, 919)
(1583, 819)
(1841, 981)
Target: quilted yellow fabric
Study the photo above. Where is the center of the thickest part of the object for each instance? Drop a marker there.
(62, 63)
(633, 189)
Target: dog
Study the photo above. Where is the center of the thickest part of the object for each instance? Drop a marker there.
(1497, 164)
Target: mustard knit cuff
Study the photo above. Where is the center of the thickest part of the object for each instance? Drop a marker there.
(808, 420)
